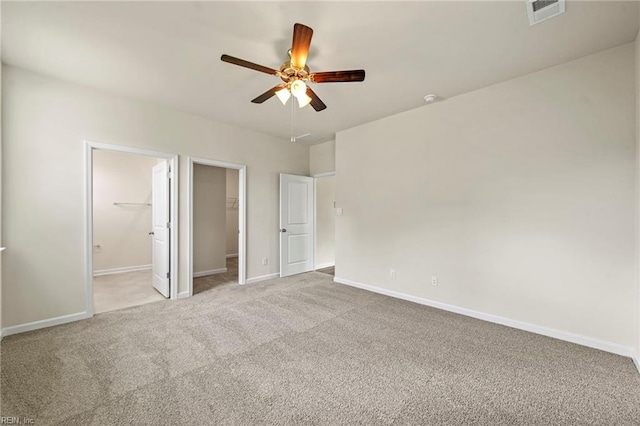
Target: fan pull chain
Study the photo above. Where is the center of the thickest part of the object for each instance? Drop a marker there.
(293, 115)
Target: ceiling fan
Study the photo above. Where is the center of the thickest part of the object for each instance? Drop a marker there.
(296, 75)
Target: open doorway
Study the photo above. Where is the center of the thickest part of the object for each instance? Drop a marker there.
(325, 223)
(217, 217)
(130, 238)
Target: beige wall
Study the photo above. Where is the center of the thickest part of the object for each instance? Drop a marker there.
(232, 213)
(637, 53)
(121, 231)
(1, 119)
(45, 123)
(519, 197)
(322, 158)
(325, 221)
(209, 219)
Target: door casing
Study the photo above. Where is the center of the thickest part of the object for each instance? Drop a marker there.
(89, 147)
(242, 217)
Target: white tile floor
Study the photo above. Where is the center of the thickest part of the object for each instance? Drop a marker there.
(117, 291)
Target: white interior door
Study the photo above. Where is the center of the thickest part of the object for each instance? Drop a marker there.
(161, 225)
(296, 224)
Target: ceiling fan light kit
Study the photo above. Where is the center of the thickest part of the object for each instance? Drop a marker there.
(284, 95)
(296, 75)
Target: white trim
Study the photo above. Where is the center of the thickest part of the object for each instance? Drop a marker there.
(315, 222)
(325, 265)
(321, 175)
(88, 231)
(122, 270)
(242, 214)
(175, 225)
(173, 159)
(545, 331)
(128, 150)
(3, 248)
(263, 278)
(36, 325)
(636, 361)
(209, 272)
(231, 256)
(183, 295)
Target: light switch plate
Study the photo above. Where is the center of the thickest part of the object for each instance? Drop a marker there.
(339, 211)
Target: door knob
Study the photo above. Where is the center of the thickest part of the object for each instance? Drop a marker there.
(151, 233)
(283, 230)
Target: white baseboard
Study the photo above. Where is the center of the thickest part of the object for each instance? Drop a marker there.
(636, 360)
(36, 325)
(545, 331)
(209, 272)
(325, 265)
(263, 278)
(183, 295)
(229, 256)
(121, 270)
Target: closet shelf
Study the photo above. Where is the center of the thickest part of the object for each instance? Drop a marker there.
(132, 204)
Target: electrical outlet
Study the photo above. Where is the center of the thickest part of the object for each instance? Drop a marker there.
(434, 280)
(265, 261)
(392, 273)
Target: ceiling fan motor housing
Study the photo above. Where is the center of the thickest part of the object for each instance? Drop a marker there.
(288, 73)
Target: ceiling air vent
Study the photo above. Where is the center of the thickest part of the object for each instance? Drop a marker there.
(541, 10)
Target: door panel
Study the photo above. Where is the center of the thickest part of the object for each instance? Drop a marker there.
(296, 224)
(298, 248)
(160, 220)
(297, 206)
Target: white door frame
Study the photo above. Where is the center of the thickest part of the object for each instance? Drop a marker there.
(242, 219)
(315, 212)
(89, 146)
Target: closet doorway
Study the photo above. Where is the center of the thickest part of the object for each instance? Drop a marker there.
(217, 225)
(129, 227)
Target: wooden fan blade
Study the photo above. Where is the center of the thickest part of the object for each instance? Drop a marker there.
(247, 64)
(316, 103)
(300, 45)
(337, 76)
(267, 95)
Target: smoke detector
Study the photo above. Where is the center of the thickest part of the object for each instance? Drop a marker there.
(541, 10)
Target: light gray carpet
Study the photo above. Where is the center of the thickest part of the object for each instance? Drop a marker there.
(216, 280)
(331, 270)
(303, 350)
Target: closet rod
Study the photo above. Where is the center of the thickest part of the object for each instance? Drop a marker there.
(132, 204)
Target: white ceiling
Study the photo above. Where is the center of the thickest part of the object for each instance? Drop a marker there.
(169, 53)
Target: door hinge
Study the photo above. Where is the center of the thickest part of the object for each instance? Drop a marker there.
(169, 175)
(168, 275)
(168, 225)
